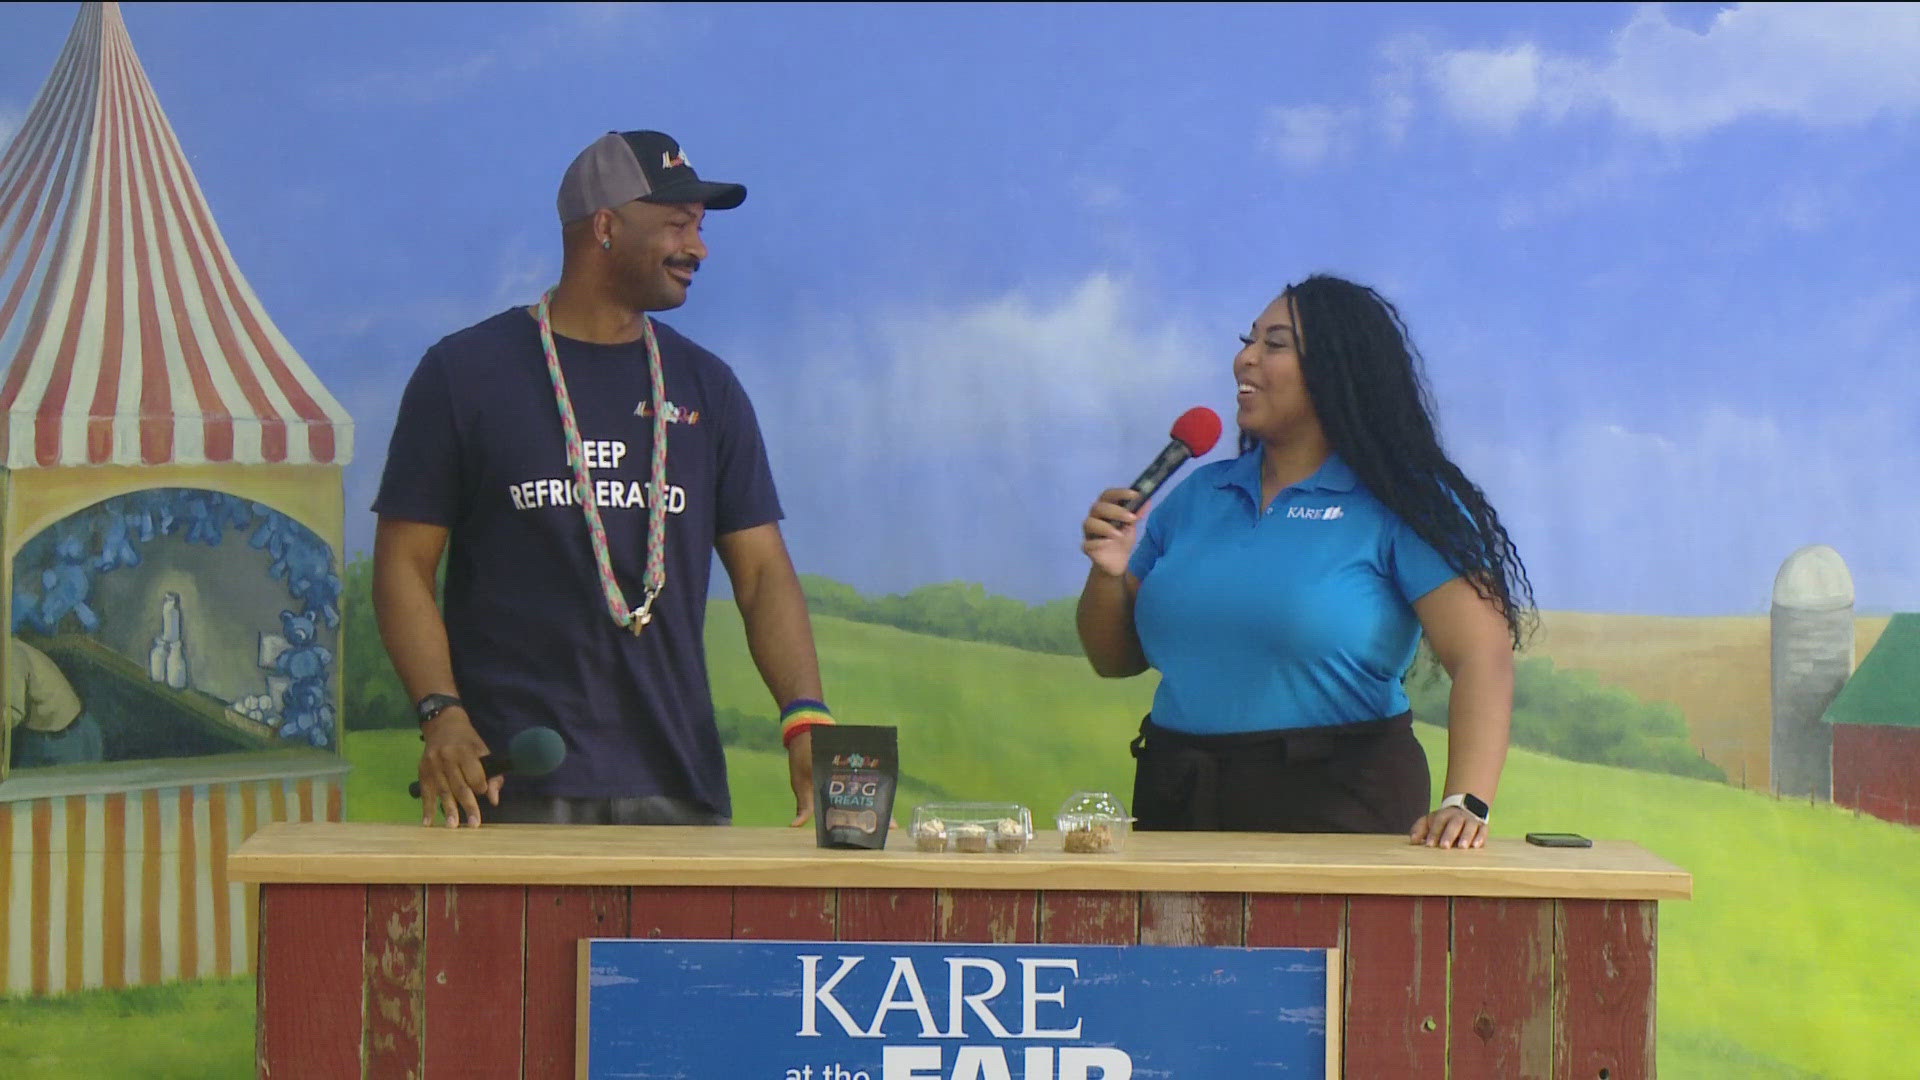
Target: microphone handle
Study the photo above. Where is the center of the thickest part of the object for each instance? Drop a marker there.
(491, 764)
(1169, 461)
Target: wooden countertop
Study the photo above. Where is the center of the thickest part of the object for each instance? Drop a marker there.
(363, 853)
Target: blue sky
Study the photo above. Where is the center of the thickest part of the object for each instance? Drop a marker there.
(1660, 259)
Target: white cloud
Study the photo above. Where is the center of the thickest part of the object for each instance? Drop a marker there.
(9, 124)
(1611, 516)
(1306, 136)
(601, 17)
(1490, 89)
(416, 85)
(1819, 64)
(967, 441)
(1100, 195)
(523, 267)
(1084, 357)
(1397, 87)
(1617, 170)
(563, 28)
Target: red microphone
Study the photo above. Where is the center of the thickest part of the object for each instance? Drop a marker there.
(1193, 435)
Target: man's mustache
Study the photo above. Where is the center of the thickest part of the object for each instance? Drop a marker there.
(689, 264)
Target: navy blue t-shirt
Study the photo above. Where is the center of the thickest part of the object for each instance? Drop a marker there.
(477, 448)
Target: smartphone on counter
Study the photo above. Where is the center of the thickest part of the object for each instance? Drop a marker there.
(1558, 839)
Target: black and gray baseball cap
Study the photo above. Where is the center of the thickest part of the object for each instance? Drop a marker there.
(622, 166)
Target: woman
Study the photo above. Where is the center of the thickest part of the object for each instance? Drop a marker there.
(1282, 595)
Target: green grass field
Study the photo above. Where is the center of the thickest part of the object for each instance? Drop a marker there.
(1798, 957)
(184, 1031)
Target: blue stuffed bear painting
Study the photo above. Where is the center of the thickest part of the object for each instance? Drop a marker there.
(171, 641)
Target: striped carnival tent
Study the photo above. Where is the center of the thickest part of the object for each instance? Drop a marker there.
(171, 506)
(130, 337)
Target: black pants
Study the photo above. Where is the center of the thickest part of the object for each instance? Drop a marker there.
(1354, 778)
(560, 810)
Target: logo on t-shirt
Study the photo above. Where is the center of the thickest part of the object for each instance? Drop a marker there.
(675, 414)
(1316, 513)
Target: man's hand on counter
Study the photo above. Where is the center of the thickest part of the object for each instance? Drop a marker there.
(800, 771)
(451, 775)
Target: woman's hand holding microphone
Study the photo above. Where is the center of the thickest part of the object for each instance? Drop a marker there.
(1108, 534)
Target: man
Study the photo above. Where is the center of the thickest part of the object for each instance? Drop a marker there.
(576, 583)
(49, 725)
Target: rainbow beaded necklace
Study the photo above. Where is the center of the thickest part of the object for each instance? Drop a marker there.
(655, 577)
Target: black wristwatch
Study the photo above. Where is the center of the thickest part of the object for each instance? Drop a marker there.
(1472, 804)
(433, 705)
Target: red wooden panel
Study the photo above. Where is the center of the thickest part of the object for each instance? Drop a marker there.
(1603, 995)
(557, 918)
(681, 912)
(988, 916)
(1090, 918)
(1396, 960)
(1877, 770)
(476, 953)
(395, 965)
(1192, 918)
(1295, 922)
(1502, 988)
(783, 914)
(309, 979)
(886, 914)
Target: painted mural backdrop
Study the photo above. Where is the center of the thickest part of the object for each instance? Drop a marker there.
(1658, 259)
(230, 605)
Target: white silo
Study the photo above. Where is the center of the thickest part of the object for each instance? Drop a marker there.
(1812, 658)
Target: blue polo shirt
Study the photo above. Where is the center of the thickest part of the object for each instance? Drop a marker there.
(1298, 615)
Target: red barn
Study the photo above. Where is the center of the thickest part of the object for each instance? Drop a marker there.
(1876, 728)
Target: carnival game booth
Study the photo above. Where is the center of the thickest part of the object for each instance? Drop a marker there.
(170, 514)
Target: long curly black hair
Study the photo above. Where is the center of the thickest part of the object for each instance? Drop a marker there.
(1365, 379)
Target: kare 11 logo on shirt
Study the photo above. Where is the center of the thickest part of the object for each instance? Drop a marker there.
(1316, 513)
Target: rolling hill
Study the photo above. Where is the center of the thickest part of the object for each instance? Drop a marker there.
(1714, 669)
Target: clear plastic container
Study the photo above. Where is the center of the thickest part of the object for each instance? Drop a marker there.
(971, 827)
(1093, 823)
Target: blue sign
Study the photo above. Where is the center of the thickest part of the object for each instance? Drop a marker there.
(826, 1010)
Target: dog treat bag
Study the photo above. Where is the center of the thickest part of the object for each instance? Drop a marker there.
(855, 769)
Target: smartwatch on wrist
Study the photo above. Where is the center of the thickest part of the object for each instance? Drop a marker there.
(433, 705)
(1472, 804)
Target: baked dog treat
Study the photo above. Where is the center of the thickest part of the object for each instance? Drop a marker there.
(1090, 839)
(1009, 836)
(930, 835)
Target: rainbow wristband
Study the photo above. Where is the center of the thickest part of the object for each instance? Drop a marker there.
(802, 715)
